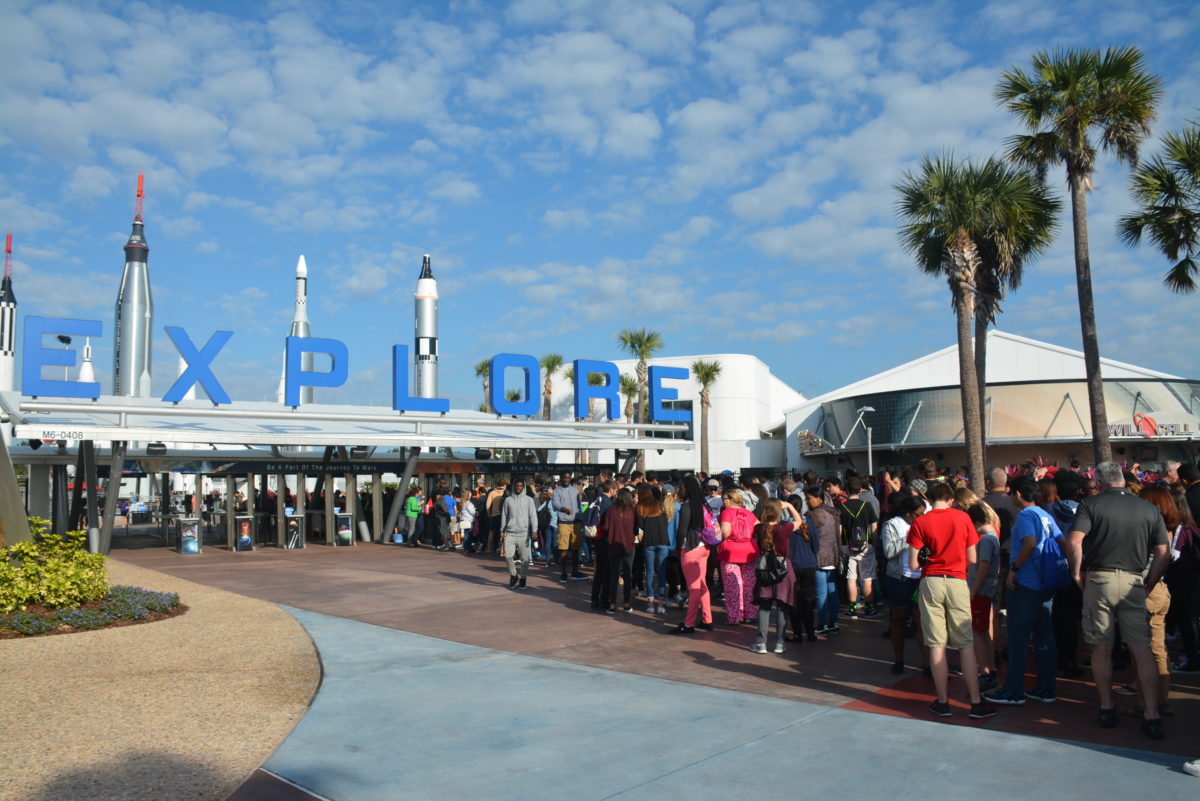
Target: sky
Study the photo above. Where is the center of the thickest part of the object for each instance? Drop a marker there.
(719, 172)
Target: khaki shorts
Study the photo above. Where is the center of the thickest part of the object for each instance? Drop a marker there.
(945, 605)
(568, 537)
(1111, 597)
(861, 565)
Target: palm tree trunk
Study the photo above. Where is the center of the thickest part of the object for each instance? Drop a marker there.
(1101, 450)
(546, 390)
(962, 272)
(704, 404)
(487, 401)
(981, 326)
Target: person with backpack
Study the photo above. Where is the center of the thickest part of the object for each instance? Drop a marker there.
(775, 583)
(1030, 601)
(694, 521)
(594, 533)
(823, 528)
(859, 522)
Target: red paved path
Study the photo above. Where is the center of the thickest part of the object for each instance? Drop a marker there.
(464, 598)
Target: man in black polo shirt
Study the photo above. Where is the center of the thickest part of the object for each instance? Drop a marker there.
(1114, 536)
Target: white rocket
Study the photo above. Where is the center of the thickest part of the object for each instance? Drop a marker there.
(8, 321)
(86, 373)
(134, 315)
(299, 328)
(426, 334)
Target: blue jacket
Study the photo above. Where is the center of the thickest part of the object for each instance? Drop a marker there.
(802, 552)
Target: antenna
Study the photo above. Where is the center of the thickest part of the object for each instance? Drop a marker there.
(8, 257)
(137, 202)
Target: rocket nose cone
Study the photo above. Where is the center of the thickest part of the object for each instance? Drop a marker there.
(301, 268)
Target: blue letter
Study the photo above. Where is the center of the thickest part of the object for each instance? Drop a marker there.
(35, 356)
(607, 392)
(496, 388)
(297, 377)
(659, 393)
(198, 362)
(400, 400)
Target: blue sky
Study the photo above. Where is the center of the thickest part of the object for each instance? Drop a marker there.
(720, 172)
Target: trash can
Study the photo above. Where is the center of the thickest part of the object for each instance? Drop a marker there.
(187, 535)
(343, 526)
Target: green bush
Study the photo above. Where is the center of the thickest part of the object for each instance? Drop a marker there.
(121, 603)
(50, 570)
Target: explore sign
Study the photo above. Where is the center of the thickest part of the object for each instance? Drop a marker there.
(35, 356)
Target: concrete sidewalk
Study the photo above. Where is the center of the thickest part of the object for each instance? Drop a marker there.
(406, 716)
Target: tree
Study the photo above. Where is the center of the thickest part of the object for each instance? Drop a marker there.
(551, 363)
(1067, 97)
(642, 344)
(706, 374)
(1167, 191)
(629, 389)
(482, 369)
(966, 222)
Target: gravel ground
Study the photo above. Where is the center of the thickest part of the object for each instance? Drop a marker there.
(181, 709)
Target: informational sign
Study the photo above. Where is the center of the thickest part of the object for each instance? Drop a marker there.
(188, 539)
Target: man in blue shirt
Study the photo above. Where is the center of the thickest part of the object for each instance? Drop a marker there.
(1030, 604)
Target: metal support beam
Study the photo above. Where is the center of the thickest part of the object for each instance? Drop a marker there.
(280, 501)
(327, 482)
(87, 450)
(115, 464)
(377, 506)
(398, 501)
(38, 497)
(250, 509)
(72, 522)
(230, 523)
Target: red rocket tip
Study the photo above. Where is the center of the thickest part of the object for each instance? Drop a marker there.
(141, 185)
(8, 244)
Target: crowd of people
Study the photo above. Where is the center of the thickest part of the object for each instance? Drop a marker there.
(1047, 556)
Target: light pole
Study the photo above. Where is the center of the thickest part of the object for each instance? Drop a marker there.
(870, 456)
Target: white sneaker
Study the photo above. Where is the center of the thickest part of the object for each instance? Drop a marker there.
(1192, 768)
(779, 647)
(758, 648)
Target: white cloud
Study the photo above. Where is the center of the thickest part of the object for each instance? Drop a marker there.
(566, 218)
(89, 182)
(457, 190)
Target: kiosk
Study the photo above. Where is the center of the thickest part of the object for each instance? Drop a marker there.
(188, 539)
(294, 532)
(244, 526)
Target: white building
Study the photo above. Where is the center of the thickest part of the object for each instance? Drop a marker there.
(745, 421)
(1036, 405)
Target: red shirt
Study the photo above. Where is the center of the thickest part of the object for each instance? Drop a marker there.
(948, 533)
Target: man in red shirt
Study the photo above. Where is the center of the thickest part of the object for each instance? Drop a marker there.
(946, 538)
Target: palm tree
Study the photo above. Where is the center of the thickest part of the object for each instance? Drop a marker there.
(963, 221)
(1068, 96)
(629, 389)
(642, 344)
(1167, 191)
(551, 363)
(706, 374)
(482, 369)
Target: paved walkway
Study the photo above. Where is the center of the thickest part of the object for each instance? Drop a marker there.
(403, 716)
(417, 713)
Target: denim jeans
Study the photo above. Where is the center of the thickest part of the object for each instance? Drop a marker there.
(656, 575)
(1029, 615)
(827, 598)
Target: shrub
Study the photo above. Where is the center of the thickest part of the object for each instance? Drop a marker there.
(50, 570)
(28, 623)
(121, 603)
(81, 618)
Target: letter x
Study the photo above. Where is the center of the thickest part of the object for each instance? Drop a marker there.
(198, 361)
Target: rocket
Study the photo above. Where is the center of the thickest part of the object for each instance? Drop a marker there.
(426, 334)
(8, 321)
(299, 329)
(134, 315)
(86, 373)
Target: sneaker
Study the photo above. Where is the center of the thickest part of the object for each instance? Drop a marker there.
(987, 681)
(1003, 698)
(897, 668)
(682, 629)
(610, 611)
(1192, 768)
(954, 671)
(1044, 697)
(871, 614)
(822, 630)
(521, 584)
(562, 579)
(1125, 689)
(652, 607)
(1108, 718)
(758, 648)
(779, 648)
(512, 582)
(852, 612)
(981, 710)
(940, 709)
(577, 576)
(834, 629)
(1185, 666)
(706, 626)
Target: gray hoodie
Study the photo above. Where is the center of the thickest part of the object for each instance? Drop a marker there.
(519, 516)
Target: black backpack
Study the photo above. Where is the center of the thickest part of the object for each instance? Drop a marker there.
(857, 530)
(771, 570)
